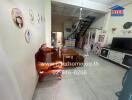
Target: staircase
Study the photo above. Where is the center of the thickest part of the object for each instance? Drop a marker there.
(81, 29)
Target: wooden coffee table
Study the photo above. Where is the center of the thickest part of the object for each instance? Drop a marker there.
(69, 55)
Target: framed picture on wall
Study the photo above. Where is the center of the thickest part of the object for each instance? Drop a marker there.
(17, 17)
(101, 38)
(68, 29)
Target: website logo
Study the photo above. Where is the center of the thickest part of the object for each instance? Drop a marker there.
(117, 11)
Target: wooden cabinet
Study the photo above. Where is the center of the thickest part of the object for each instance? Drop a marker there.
(116, 56)
(121, 58)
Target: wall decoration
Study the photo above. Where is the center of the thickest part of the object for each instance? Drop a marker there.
(17, 17)
(114, 29)
(126, 31)
(28, 35)
(39, 18)
(31, 14)
(127, 25)
(130, 31)
(68, 29)
(103, 32)
(101, 38)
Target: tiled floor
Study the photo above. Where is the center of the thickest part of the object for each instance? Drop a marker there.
(99, 82)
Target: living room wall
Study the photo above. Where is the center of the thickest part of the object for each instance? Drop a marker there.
(108, 22)
(118, 22)
(18, 55)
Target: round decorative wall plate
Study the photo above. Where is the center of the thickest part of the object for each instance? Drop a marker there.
(31, 14)
(28, 36)
(127, 25)
(17, 17)
(39, 18)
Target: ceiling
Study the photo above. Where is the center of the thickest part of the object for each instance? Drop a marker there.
(70, 10)
(107, 2)
(73, 11)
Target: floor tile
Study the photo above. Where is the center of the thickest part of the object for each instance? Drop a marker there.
(100, 82)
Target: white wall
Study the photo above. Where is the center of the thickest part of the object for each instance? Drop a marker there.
(59, 25)
(108, 22)
(47, 6)
(19, 53)
(118, 22)
(9, 89)
(99, 23)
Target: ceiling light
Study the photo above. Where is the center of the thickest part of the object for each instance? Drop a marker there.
(80, 16)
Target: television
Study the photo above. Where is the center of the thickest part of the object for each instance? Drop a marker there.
(122, 44)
